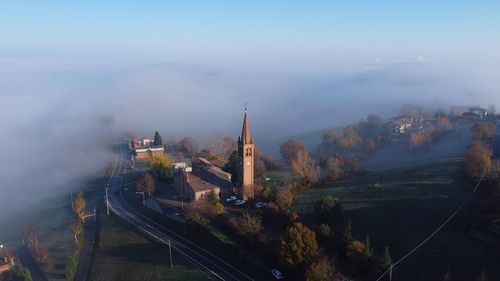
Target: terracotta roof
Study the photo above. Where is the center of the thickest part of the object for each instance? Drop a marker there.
(245, 132)
(197, 184)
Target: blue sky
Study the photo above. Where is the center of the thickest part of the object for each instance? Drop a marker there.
(207, 28)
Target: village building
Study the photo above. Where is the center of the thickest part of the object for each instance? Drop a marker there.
(144, 142)
(480, 112)
(143, 153)
(402, 124)
(202, 176)
(6, 259)
(143, 148)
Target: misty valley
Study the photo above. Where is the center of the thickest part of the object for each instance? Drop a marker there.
(249, 140)
(399, 197)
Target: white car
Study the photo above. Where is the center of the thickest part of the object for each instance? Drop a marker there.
(231, 198)
(277, 274)
(239, 202)
(259, 205)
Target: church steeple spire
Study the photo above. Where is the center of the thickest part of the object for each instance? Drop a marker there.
(245, 132)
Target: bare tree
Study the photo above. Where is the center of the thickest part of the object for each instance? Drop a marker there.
(146, 184)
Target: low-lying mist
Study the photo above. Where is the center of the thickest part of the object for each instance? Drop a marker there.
(58, 120)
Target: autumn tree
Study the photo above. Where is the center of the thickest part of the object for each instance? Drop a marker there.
(483, 131)
(250, 225)
(218, 208)
(290, 149)
(420, 138)
(76, 229)
(160, 166)
(44, 258)
(146, 184)
(188, 145)
(157, 139)
(298, 245)
(477, 160)
(200, 212)
(351, 137)
(332, 168)
(443, 123)
(284, 200)
(370, 146)
(321, 270)
(304, 167)
(79, 204)
(223, 146)
(355, 249)
(32, 239)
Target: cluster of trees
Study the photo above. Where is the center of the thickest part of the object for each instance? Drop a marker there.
(309, 171)
(40, 252)
(478, 157)
(361, 137)
(361, 255)
(440, 126)
(204, 210)
(160, 166)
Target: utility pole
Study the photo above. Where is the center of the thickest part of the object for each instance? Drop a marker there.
(143, 197)
(170, 252)
(390, 274)
(107, 202)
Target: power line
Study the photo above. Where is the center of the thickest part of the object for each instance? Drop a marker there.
(390, 269)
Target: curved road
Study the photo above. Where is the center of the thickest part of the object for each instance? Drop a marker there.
(215, 267)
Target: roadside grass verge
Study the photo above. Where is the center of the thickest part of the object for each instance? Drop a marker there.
(123, 253)
(208, 237)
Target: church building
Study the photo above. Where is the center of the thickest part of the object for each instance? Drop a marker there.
(246, 160)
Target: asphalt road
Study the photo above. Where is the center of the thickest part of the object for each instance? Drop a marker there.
(28, 261)
(215, 267)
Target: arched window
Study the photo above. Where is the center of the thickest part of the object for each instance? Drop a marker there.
(248, 152)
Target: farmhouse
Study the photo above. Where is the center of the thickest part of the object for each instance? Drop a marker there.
(401, 124)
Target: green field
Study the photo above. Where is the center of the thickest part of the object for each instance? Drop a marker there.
(409, 205)
(122, 253)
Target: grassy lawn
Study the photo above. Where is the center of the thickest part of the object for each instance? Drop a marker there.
(122, 253)
(407, 207)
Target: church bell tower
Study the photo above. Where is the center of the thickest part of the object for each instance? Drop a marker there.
(246, 160)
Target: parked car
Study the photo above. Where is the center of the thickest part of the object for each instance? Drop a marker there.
(259, 205)
(239, 202)
(231, 198)
(277, 274)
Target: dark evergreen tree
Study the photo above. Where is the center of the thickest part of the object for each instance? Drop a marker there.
(232, 166)
(157, 141)
(386, 259)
